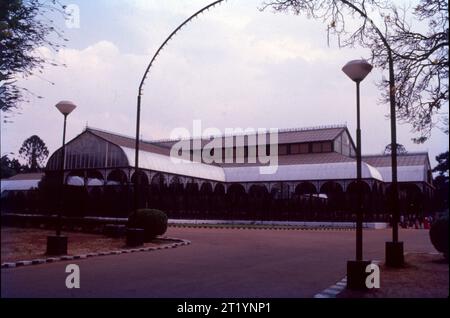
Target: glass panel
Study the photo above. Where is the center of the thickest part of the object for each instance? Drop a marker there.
(317, 147)
(345, 145)
(326, 147)
(282, 149)
(304, 148)
(338, 144)
(295, 149)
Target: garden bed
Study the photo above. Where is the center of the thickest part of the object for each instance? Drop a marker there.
(19, 244)
(424, 276)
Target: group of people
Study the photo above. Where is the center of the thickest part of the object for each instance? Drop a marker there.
(415, 222)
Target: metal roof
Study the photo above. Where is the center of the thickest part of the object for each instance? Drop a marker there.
(405, 173)
(162, 163)
(300, 159)
(310, 135)
(408, 159)
(285, 136)
(317, 171)
(329, 171)
(128, 142)
(311, 166)
(295, 135)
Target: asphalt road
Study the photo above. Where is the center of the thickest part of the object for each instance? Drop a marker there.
(219, 263)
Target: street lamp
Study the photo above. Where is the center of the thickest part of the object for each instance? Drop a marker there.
(57, 244)
(140, 89)
(357, 70)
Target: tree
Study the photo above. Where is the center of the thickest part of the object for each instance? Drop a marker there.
(24, 27)
(442, 167)
(441, 181)
(35, 152)
(401, 150)
(415, 53)
(10, 167)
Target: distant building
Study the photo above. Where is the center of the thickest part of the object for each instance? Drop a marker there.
(21, 182)
(18, 193)
(315, 179)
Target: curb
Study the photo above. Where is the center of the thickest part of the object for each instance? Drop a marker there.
(243, 227)
(336, 289)
(181, 242)
(333, 290)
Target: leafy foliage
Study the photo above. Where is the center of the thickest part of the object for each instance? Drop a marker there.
(154, 222)
(442, 166)
(441, 182)
(25, 26)
(10, 167)
(439, 235)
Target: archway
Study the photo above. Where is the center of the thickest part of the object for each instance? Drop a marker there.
(219, 202)
(143, 189)
(306, 198)
(175, 191)
(257, 202)
(191, 199)
(159, 194)
(334, 203)
(75, 178)
(116, 178)
(236, 198)
(94, 178)
(206, 200)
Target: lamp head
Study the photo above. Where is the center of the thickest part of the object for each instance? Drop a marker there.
(357, 70)
(65, 107)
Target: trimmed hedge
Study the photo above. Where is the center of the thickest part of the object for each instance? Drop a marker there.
(154, 222)
(439, 235)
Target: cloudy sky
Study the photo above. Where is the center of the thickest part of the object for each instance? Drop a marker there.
(232, 67)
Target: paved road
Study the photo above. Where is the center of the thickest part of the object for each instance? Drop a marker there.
(219, 263)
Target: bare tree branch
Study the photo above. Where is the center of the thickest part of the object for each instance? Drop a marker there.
(415, 53)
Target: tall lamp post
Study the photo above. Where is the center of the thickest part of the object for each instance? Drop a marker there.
(141, 86)
(357, 70)
(57, 244)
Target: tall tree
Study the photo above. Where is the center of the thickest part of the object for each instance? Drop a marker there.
(413, 42)
(24, 27)
(35, 152)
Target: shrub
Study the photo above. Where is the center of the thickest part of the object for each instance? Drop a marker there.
(439, 235)
(154, 222)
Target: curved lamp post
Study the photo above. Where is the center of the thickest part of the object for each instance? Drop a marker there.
(57, 244)
(357, 70)
(138, 111)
